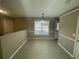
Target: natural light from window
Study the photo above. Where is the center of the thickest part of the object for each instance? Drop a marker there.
(41, 27)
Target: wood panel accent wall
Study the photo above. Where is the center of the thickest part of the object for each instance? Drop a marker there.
(7, 26)
(19, 24)
(0, 26)
(30, 25)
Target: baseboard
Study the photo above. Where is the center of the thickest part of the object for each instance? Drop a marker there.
(65, 50)
(11, 57)
(43, 38)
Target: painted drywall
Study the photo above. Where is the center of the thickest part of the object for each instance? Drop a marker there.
(67, 31)
(11, 42)
(68, 24)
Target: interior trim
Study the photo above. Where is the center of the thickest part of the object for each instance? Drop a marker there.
(43, 38)
(67, 37)
(70, 12)
(65, 50)
(77, 35)
(11, 57)
(49, 31)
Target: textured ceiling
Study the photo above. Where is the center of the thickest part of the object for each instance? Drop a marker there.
(35, 8)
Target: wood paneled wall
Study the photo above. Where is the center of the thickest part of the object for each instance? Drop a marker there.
(0, 26)
(30, 24)
(6, 25)
(19, 24)
(9, 25)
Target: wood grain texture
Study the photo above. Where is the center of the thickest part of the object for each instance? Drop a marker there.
(7, 26)
(0, 26)
(19, 24)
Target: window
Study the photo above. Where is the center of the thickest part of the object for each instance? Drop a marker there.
(41, 27)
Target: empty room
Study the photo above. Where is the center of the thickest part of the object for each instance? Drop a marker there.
(39, 29)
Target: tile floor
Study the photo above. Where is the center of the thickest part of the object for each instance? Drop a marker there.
(41, 49)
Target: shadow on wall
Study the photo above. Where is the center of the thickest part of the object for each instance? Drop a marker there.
(13, 6)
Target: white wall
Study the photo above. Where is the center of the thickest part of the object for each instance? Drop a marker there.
(11, 42)
(67, 31)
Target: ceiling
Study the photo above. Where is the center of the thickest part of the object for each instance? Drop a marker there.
(35, 8)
